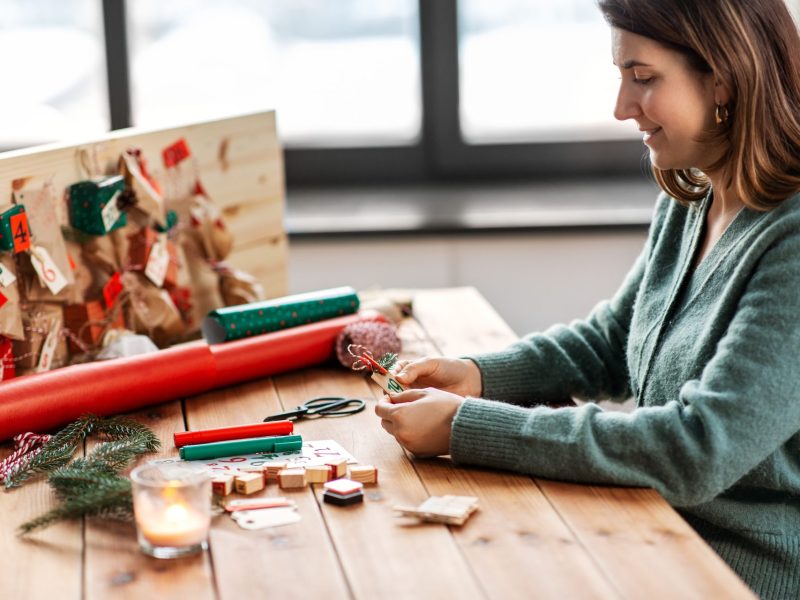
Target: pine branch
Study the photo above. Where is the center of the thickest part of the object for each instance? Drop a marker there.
(388, 361)
(56, 452)
(112, 499)
(92, 485)
(133, 439)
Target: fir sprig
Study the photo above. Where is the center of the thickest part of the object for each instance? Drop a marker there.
(388, 361)
(90, 485)
(103, 495)
(56, 452)
(129, 439)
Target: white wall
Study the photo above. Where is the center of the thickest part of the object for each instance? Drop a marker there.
(532, 279)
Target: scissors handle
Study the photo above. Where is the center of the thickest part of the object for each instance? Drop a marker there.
(334, 406)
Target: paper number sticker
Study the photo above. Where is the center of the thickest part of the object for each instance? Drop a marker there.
(20, 232)
(157, 262)
(387, 383)
(111, 213)
(49, 346)
(7, 278)
(47, 270)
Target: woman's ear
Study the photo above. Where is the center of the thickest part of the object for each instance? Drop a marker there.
(722, 95)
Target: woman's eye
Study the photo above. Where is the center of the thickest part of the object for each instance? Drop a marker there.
(642, 80)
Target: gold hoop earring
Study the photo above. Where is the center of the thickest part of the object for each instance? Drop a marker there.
(722, 114)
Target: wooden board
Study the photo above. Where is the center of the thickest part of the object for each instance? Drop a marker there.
(239, 161)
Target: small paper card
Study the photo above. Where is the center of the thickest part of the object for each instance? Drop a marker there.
(312, 453)
(49, 346)
(157, 262)
(111, 212)
(47, 270)
(267, 517)
(7, 278)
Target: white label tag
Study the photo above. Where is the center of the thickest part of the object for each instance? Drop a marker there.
(7, 278)
(47, 270)
(387, 382)
(267, 517)
(157, 262)
(111, 213)
(49, 346)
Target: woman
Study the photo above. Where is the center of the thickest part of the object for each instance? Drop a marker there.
(704, 332)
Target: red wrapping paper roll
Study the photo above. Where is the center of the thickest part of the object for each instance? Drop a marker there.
(280, 351)
(45, 401)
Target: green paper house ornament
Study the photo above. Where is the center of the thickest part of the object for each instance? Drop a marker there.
(6, 233)
(93, 205)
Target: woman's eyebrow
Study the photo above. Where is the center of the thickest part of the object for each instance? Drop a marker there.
(629, 64)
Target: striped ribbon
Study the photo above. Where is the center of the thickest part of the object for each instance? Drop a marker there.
(26, 446)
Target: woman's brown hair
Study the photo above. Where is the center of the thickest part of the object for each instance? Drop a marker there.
(753, 48)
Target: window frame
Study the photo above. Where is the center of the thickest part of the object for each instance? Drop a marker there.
(439, 155)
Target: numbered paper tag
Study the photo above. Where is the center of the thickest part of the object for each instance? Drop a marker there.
(111, 212)
(387, 382)
(20, 232)
(47, 270)
(157, 262)
(49, 346)
(7, 278)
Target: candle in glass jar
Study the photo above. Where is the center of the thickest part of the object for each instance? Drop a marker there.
(172, 508)
(173, 524)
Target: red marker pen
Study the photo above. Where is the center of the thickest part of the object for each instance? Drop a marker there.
(223, 434)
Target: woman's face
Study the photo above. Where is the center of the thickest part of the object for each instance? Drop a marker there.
(672, 103)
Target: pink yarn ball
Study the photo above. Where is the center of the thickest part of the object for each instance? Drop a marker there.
(377, 338)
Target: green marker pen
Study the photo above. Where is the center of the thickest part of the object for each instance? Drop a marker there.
(275, 443)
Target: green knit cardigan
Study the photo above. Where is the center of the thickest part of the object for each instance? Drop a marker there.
(712, 357)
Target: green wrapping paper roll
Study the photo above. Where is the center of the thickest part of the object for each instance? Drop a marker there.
(246, 320)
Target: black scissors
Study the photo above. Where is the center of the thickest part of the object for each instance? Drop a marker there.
(328, 406)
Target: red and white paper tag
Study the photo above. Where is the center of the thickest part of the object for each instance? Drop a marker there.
(47, 270)
(111, 212)
(157, 262)
(49, 346)
(7, 278)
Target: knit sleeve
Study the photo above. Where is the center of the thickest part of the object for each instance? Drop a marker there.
(743, 407)
(585, 359)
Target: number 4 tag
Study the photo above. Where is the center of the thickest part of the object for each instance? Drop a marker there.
(20, 232)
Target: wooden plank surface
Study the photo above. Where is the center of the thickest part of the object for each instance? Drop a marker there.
(46, 563)
(381, 557)
(115, 568)
(293, 561)
(516, 542)
(625, 530)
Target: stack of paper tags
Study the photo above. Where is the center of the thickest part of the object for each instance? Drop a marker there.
(342, 492)
(259, 513)
(451, 510)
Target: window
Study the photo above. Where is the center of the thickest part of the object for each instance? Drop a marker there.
(342, 73)
(53, 71)
(536, 71)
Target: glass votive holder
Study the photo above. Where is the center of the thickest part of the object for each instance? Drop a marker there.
(172, 509)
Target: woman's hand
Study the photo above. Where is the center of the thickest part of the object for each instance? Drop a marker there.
(457, 375)
(420, 420)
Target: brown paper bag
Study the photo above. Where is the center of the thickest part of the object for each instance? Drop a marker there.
(10, 313)
(40, 206)
(37, 319)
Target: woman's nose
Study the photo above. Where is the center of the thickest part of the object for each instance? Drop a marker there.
(627, 107)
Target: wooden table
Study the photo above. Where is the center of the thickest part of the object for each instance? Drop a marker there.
(531, 538)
